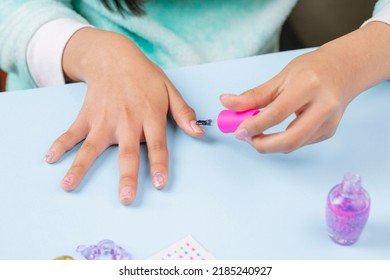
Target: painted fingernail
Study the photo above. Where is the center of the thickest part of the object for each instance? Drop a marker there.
(126, 195)
(243, 135)
(196, 128)
(158, 180)
(68, 181)
(49, 155)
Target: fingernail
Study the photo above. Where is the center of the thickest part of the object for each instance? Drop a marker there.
(243, 135)
(158, 180)
(68, 181)
(227, 95)
(49, 155)
(196, 128)
(126, 195)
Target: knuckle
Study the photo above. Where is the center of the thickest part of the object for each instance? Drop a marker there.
(291, 144)
(127, 178)
(128, 152)
(186, 110)
(333, 124)
(274, 115)
(330, 128)
(313, 85)
(260, 149)
(157, 146)
(313, 80)
(67, 135)
(249, 92)
(65, 138)
(250, 95)
(78, 168)
(332, 105)
(329, 134)
(90, 147)
(127, 112)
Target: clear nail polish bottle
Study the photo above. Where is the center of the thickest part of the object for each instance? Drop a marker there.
(347, 210)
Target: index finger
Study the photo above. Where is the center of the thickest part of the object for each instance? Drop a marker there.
(254, 98)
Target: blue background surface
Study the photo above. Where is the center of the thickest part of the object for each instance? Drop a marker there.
(237, 203)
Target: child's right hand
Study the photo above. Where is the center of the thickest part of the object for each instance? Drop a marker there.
(317, 87)
(127, 102)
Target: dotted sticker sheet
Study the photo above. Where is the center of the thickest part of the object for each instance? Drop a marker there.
(186, 249)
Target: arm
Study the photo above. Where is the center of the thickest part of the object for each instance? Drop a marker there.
(317, 87)
(127, 100)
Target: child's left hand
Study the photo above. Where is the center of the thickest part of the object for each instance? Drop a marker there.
(127, 101)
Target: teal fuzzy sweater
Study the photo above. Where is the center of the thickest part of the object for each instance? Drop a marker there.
(173, 33)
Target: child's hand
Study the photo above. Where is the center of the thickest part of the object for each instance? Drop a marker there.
(127, 102)
(305, 88)
(316, 87)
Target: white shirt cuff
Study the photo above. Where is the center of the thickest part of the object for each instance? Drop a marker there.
(44, 52)
(383, 15)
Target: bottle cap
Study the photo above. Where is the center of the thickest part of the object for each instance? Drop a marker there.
(229, 120)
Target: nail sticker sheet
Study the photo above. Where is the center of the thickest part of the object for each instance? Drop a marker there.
(186, 249)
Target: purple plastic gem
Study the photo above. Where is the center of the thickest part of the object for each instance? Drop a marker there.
(105, 249)
(119, 253)
(89, 253)
(347, 210)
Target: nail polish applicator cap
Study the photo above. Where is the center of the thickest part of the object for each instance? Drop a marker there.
(229, 120)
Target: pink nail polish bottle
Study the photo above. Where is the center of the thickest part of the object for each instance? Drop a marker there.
(229, 120)
(347, 210)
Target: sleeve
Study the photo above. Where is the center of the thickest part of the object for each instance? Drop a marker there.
(379, 5)
(44, 55)
(19, 21)
(381, 12)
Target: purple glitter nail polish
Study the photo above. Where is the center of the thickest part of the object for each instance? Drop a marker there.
(347, 210)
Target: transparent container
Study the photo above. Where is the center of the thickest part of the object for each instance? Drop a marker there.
(347, 210)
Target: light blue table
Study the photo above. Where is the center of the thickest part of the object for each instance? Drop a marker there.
(238, 204)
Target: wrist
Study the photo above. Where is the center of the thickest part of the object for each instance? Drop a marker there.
(360, 59)
(91, 53)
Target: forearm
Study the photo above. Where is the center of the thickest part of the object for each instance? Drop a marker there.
(361, 59)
